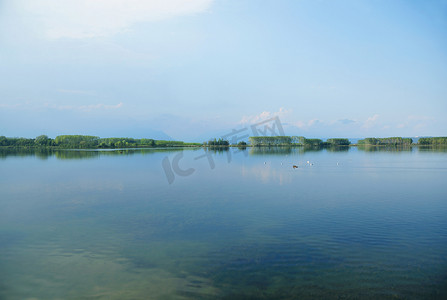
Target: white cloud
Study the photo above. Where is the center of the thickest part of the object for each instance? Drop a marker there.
(264, 116)
(300, 124)
(76, 92)
(371, 121)
(416, 122)
(420, 118)
(79, 19)
(4, 105)
(313, 122)
(346, 121)
(308, 124)
(323, 87)
(87, 107)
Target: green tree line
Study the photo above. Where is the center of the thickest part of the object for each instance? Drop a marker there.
(88, 142)
(219, 142)
(95, 142)
(338, 142)
(270, 140)
(433, 141)
(296, 140)
(391, 141)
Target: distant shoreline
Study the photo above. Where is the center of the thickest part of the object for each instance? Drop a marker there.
(94, 142)
(221, 147)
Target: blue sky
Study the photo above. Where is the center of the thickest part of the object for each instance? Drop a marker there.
(199, 68)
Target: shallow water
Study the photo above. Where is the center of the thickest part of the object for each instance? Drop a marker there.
(353, 223)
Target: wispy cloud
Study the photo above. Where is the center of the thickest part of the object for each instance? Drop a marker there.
(83, 108)
(33, 106)
(346, 121)
(371, 121)
(76, 92)
(415, 122)
(420, 118)
(313, 122)
(307, 124)
(263, 116)
(5, 105)
(322, 87)
(86, 18)
(86, 108)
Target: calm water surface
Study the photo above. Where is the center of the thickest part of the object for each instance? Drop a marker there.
(357, 224)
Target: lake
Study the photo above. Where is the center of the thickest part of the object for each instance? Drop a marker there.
(350, 223)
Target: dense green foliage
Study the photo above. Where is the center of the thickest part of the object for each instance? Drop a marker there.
(89, 142)
(386, 141)
(94, 142)
(77, 141)
(162, 143)
(298, 140)
(433, 141)
(219, 142)
(16, 142)
(313, 142)
(124, 143)
(43, 140)
(386, 148)
(338, 142)
(295, 140)
(270, 140)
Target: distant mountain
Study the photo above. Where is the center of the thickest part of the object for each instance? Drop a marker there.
(216, 134)
(151, 134)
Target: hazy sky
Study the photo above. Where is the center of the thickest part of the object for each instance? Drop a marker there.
(198, 68)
